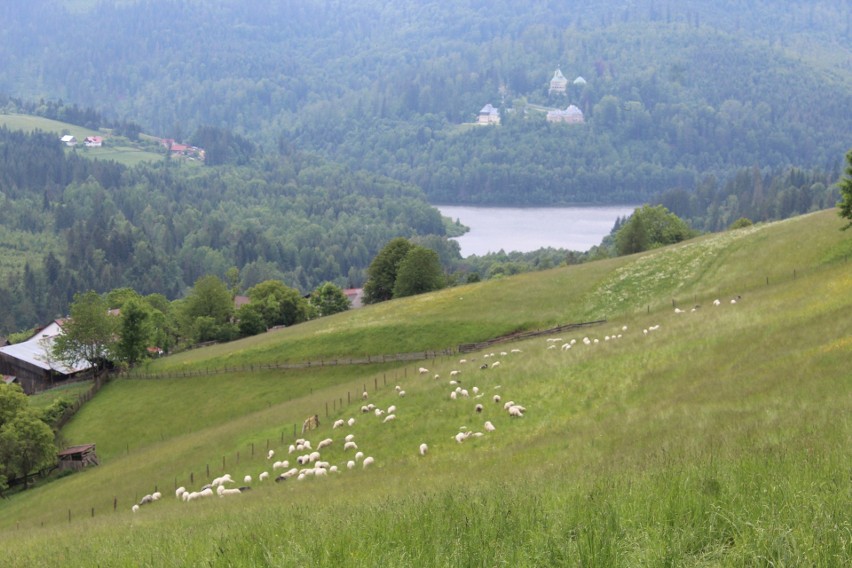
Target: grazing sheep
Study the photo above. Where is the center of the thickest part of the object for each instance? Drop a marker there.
(291, 449)
(263, 476)
(401, 393)
(364, 395)
(566, 346)
(368, 461)
(464, 393)
(180, 491)
(461, 437)
(135, 508)
(453, 395)
(270, 454)
(453, 383)
(350, 464)
(475, 390)
(246, 479)
(333, 469)
(496, 398)
(516, 411)
(156, 496)
(351, 421)
(286, 475)
(678, 311)
(489, 427)
(454, 373)
(146, 499)
(422, 370)
(483, 366)
(495, 364)
(389, 417)
(325, 443)
(462, 361)
(350, 446)
(551, 347)
(516, 350)
(359, 456)
(338, 423)
(423, 449)
(207, 492)
(365, 409)
(349, 437)
(437, 376)
(391, 409)
(478, 408)
(222, 480)
(397, 388)
(314, 456)
(319, 472)
(508, 405)
(379, 412)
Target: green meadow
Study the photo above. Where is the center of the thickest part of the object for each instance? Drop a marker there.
(721, 437)
(122, 153)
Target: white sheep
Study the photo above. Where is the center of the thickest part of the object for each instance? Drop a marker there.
(454, 373)
(307, 445)
(333, 469)
(462, 361)
(350, 446)
(397, 388)
(367, 461)
(351, 421)
(423, 449)
(156, 496)
(401, 393)
(325, 443)
(270, 454)
(389, 417)
(320, 472)
(365, 409)
(338, 423)
(496, 398)
(263, 476)
(478, 408)
(489, 427)
(349, 437)
(453, 395)
(180, 491)
(516, 411)
(291, 449)
(516, 350)
(422, 370)
(379, 412)
(508, 405)
(314, 456)
(364, 395)
(464, 393)
(359, 456)
(475, 390)
(350, 464)
(246, 479)
(135, 508)
(461, 437)
(206, 492)
(495, 364)
(391, 409)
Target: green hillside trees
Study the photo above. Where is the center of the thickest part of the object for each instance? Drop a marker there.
(845, 185)
(26, 443)
(651, 227)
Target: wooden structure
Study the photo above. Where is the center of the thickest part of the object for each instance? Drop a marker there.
(78, 457)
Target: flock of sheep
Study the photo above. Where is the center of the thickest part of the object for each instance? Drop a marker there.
(309, 463)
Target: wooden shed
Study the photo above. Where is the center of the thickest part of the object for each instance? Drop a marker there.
(78, 457)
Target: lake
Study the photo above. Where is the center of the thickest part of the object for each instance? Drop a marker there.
(531, 228)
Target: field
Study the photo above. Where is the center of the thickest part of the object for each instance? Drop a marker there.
(720, 438)
(122, 153)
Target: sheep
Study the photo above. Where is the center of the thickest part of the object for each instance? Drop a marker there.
(401, 393)
(207, 492)
(437, 376)
(286, 475)
(314, 456)
(351, 422)
(496, 398)
(364, 395)
(462, 361)
(146, 499)
(453, 395)
(423, 449)
(483, 366)
(397, 388)
(333, 469)
(422, 370)
(464, 393)
(180, 491)
(246, 479)
(717, 302)
(461, 437)
(379, 412)
(156, 496)
(371, 407)
(291, 449)
(263, 476)
(350, 446)
(389, 417)
(325, 443)
(454, 383)
(350, 464)
(678, 311)
(321, 465)
(135, 508)
(475, 390)
(495, 364)
(516, 411)
(319, 472)
(516, 350)
(391, 409)
(301, 477)
(307, 445)
(508, 405)
(364, 409)
(338, 423)
(454, 373)
(359, 456)
(222, 480)
(551, 347)
(503, 354)
(478, 408)
(587, 341)
(566, 346)
(489, 427)
(349, 437)
(368, 461)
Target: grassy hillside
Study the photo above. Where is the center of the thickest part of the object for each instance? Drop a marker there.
(121, 152)
(720, 438)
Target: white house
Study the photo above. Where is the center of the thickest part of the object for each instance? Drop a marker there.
(571, 115)
(69, 140)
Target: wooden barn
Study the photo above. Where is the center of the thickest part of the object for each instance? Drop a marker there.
(78, 457)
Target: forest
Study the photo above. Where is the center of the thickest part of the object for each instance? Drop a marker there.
(329, 127)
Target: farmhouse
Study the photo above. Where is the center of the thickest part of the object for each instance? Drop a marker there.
(93, 141)
(571, 115)
(488, 115)
(32, 363)
(68, 140)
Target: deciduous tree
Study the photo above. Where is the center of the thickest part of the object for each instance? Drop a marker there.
(420, 271)
(845, 185)
(89, 334)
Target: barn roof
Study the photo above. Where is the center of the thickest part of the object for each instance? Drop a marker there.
(74, 450)
(36, 351)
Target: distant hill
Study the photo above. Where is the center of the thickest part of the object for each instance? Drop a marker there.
(675, 92)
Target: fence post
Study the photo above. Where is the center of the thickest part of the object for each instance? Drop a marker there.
(114, 504)
(69, 515)
(223, 463)
(252, 447)
(375, 384)
(93, 512)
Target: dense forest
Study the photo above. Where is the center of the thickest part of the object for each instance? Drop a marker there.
(674, 92)
(328, 127)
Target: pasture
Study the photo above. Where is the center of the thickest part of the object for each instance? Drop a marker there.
(719, 437)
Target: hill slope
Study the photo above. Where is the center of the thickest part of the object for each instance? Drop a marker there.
(713, 439)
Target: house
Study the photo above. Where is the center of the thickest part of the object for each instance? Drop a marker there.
(33, 363)
(488, 115)
(356, 297)
(93, 141)
(579, 81)
(558, 84)
(571, 115)
(68, 140)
